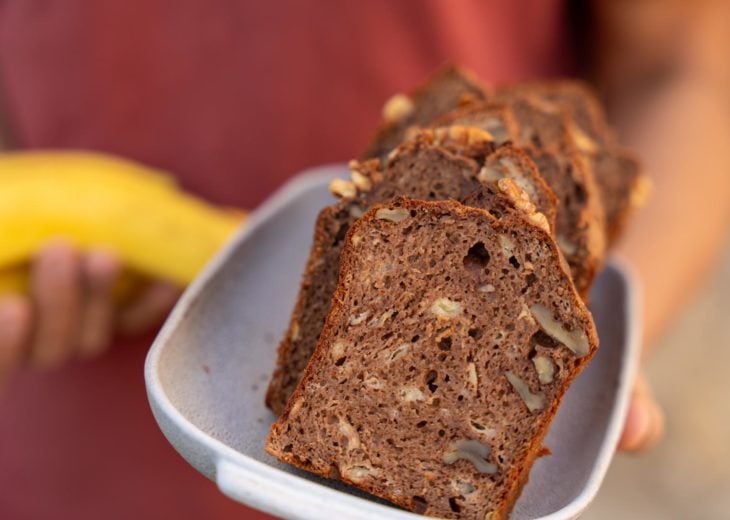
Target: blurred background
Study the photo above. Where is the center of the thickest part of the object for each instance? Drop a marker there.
(230, 99)
(687, 475)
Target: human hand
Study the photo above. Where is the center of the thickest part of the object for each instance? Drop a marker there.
(644, 425)
(70, 312)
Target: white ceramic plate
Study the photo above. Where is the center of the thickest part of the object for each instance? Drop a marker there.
(207, 372)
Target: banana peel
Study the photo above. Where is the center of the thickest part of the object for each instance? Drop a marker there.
(98, 200)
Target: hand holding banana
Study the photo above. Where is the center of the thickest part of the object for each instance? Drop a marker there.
(79, 235)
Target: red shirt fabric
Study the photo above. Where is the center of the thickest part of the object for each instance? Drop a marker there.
(232, 97)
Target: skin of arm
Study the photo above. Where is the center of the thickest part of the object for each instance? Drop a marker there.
(666, 74)
(664, 71)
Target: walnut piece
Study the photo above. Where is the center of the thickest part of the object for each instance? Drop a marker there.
(399, 352)
(360, 181)
(295, 331)
(446, 308)
(489, 174)
(534, 402)
(472, 451)
(337, 350)
(582, 141)
(460, 135)
(508, 245)
(393, 215)
(410, 394)
(545, 369)
(472, 378)
(566, 246)
(350, 433)
(575, 340)
(357, 473)
(464, 488)
(641, 193)
(397, 108)
(359, 318)
(343, 189)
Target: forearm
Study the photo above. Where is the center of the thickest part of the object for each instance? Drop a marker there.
(683, 136)
(664, 68)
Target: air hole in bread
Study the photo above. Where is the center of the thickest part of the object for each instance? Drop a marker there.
(477, 257)
(431, 376)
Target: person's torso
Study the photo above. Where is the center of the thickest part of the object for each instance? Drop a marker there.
(233, 98)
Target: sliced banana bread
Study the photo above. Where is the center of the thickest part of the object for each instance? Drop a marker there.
(451, 340)
(618, 174)
(443, 163)
(443, 92)
(543, 133)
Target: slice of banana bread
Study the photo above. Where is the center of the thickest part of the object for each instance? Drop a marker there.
(451, 341)
(443, 92)
(443, 163)
(579, 99)
(546, 135)
(623, 185)
(618, 175)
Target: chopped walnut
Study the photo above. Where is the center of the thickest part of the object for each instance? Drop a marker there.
(393, 215)
(397, 108)
(343, 189)
(575, 340)
(472, 451)
(446, 308)
(534, 402)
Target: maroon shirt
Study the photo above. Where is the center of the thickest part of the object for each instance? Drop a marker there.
(233, 97)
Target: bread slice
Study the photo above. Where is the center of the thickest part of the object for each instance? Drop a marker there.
(443, 92)
(451, 341)
(623, 185)
(618, 174)
(579, 99)
(444, 163)
(543, 132)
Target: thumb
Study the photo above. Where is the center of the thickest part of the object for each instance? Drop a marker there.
(644, 425)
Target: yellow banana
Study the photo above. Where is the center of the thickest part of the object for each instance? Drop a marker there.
(98, 200)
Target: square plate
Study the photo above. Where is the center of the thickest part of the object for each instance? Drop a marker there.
(208, 369)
